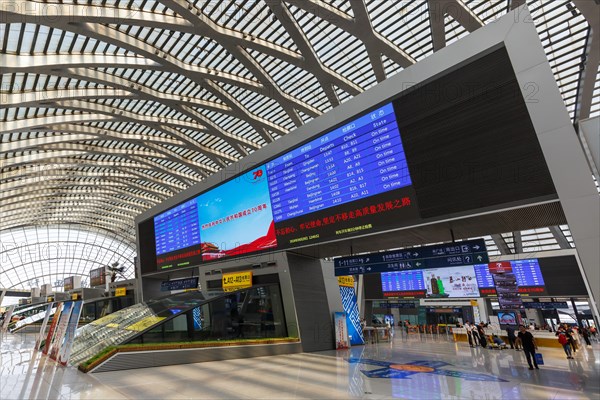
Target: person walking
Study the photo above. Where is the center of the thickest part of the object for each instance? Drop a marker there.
(529, 346)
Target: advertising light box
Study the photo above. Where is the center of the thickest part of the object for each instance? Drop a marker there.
(353, 179)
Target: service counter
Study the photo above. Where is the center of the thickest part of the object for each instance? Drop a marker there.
(542, 338)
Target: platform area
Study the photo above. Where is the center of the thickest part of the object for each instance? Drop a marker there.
(405, 368)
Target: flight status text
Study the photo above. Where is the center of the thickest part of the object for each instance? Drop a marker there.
(177, 228)
(360, 159)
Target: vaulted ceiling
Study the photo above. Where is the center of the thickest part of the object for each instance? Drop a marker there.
(110, 107)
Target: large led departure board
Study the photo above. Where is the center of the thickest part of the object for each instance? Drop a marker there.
(351, 179)
(527, 272)
(362, 158)
(177, 228)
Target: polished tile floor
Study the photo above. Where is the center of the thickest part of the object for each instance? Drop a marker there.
(407, 368)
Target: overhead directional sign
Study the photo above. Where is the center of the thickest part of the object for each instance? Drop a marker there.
(468, 252)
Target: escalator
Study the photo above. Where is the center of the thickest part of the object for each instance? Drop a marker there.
(28, 318)
(27, 315)
(254, 313)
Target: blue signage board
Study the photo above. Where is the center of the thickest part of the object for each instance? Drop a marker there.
(410, 305)
(468, 252)
(548, 305)
(179, 284)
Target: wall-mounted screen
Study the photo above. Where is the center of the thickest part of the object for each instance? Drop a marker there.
(431, 282)
(507, 318)
(527, 272)
(98, 277)
(351, 179)
(403, 284)
(554, 273)
(68, 284)
(451, 282)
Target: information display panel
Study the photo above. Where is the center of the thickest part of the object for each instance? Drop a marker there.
(403, 284)
(362, 158)
(351, 179)
(68, 284)
(432, 282)
(528, 277)
(98, 277)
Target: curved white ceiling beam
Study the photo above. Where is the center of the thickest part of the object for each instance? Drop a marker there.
(323, 74)
(147, 149)
(58, 156)
(152, 199)
(41, 97)
(125, 221)
(355, 27)
(59, 183)
(124, 198)
(172, 64)
(11, 63)
(35, 201)
(118, 228)
(22, 11)
(72, 167)
(30, 124)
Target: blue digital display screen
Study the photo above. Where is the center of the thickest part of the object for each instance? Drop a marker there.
(527, 273)
(402, 281)
(360, 159)
(177, 228)
(483, 275)
(280, 203)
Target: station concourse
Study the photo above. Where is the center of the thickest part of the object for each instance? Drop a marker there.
(300, 199)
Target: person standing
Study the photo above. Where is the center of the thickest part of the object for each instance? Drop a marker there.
(586, 335)
(564, 342)
(469, 329)
(510, 331)
(481, 334)
(529, 346)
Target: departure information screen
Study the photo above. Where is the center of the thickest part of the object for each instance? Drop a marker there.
(403, 281)
(351, 179)
(527, 272)
(177, 228)
(362, 158)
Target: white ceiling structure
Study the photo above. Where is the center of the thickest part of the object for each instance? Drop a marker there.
(109, 107)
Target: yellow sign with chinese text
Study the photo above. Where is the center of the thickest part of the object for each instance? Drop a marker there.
(120, 291)
(74, 296)
(237, 280)
(144, 323)
(347, 281)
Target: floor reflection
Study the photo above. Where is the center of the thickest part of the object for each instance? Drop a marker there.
(407, 368)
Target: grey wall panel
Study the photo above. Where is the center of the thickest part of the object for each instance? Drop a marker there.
(315, 320)
(158, 358)
(332, 288)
